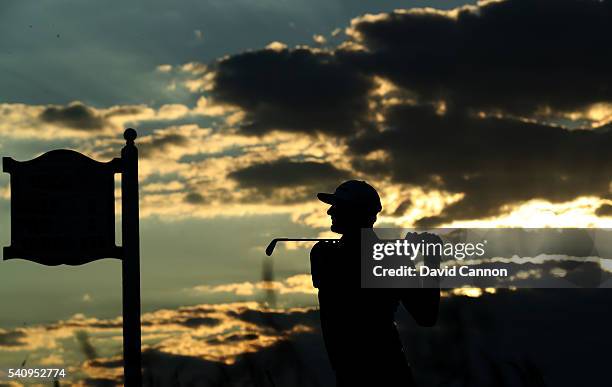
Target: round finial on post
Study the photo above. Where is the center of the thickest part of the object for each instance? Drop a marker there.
(130, 135)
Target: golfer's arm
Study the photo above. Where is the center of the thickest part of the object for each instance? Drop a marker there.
(316, 254)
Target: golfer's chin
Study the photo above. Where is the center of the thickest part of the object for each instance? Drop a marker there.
(334, 227)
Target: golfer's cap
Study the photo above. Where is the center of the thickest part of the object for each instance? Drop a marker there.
(356, 193)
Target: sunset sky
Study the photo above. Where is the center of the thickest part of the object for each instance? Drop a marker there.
(246, 109)
(480, 114)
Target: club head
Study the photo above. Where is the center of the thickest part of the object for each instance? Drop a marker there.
(271, 246)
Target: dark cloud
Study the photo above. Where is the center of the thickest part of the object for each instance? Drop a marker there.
(482, 60)
(159, 143)
(287, 173)
(75, 116)
(493, 161)
(12, 338)
(403, 207)
(126, 111)
(102, 382)
(194, 322)
(476, 60)
(268, 178)
(196, 310)
(604, 210)
(194, 198)
(281, 364)
(294, 90)
(285, 320)
(234, 338)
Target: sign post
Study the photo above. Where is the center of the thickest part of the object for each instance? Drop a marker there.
(63, 213)
(131, 262)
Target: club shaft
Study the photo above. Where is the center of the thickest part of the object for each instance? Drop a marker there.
(302, 239)
(272, 245)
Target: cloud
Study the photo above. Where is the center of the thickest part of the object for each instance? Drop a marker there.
(287, 173)
(475, 57)
(604, 210)
(188, 331)
(194, 198)
(82, 122)
(230, 343)
(164, 68)
(194, 68)
(319, 39)
(158, 143)
(199, 321)
(248, 339)
(493, 161)
(131, 111)
(284, 181)
(202, 165)
(297, 90)
(299, 283)
(12, 338)
(457, 101)
(75, 116)
(284, 320)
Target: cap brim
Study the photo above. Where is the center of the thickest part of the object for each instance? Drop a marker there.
(327, 197)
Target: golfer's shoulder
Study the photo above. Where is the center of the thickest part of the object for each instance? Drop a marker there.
(323, 248)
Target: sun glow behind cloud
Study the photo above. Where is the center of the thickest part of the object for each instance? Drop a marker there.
(214, 153)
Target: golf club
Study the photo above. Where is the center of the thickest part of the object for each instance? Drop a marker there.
(272, 245)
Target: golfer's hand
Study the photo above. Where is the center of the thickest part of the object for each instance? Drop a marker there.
(432, 260)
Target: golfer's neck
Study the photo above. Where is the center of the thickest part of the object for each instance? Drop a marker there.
(352, 235)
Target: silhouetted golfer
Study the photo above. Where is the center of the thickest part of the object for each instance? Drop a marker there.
(358, 324)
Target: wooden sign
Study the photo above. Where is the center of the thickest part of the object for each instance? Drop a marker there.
(63, 212)
(62, 208)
